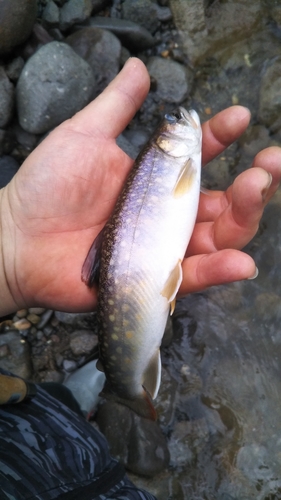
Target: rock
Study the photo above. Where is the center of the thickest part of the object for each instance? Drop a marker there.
(98, 5)
(17, 19)
(22, 324)
(36, 310)
(51, 15)
(44, 318)
(6, 98)
(172, 79)
(69, 365)
(254, 139)
(8, 168)
(137, 442)
(25, 139)
(102, 51)
(254, 461)
(33, 318)
(73, 12)
(126, 146)
(14, 68)
(53, 376)
(137, 138)
(54, 84)
(86, 384)
(202, 34)
(134, 37)
(80, 320)
(141, 12)
(83, 342)
(17, 360)
(270, 97)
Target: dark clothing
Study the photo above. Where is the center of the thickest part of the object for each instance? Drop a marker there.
(48, 451)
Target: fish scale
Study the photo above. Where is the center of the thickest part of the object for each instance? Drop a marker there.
(143, 245)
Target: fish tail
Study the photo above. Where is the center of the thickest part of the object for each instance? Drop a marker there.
(142, 405)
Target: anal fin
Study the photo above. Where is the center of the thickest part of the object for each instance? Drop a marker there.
(152, 375)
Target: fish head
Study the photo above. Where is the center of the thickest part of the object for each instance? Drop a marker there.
(179, 135)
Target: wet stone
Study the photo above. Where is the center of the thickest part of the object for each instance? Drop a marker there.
(54, 84)
(73, 12)
(83, 342)
(22, 313)
(172, 79)
(17, 19)
(69, 365)
(14, 68)
(131, 35)
(142, 12)
(101, 49)
(4, 351)
(51, 15)
(6, 98)
(18, 359)
(22, 324)
(33, 318)
(36, 310)
(44, 318)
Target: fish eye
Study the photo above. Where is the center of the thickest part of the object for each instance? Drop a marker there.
(170, 118)
(177, 115)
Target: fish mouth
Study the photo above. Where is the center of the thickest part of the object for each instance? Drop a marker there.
(183, 117)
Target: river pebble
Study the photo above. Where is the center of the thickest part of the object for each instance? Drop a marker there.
(172, 79)
(6, 98)
(17, 358)
(142, 12)
(73, 12)
(8, 168)
(17, 19)
(134, 37)
(83, 342)
(101, 50)
(54, 84)
(269, 104)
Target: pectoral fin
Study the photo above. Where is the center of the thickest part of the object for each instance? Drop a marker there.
(185, 179)
(172, 285)
(152, 375)
(90, 269)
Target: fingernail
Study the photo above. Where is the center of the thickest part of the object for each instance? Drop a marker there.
(264, 191)
(255, 275)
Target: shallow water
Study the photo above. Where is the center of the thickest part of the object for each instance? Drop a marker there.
(225, 429)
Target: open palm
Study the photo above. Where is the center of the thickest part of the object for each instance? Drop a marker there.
(65, 191)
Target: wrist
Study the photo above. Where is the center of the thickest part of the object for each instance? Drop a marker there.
(8, 304)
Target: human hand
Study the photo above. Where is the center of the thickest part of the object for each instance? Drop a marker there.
(62, 195)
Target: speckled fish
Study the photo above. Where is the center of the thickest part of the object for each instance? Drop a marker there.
(141, 250)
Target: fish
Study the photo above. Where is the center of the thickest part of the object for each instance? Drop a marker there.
(137, 260)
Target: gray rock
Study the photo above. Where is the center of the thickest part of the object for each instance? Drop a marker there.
(54, 84)
(85, 385)
(98, 5)
(51, 15)
(80, 320)
(138, 137)
(73, 12)
(137, 442)
(172, 79)
(134, 37)
(17, 19)
(14, 68)
(18, 359)
(127, 146)
(202, 34)
(83, 342)
(69, 365)
(8, 168)
(270, 97)
(46, 316)
(6, 98)
(142, 12)
(102, 51)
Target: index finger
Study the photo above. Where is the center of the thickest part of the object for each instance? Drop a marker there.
(114, 108)
(223, 129)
